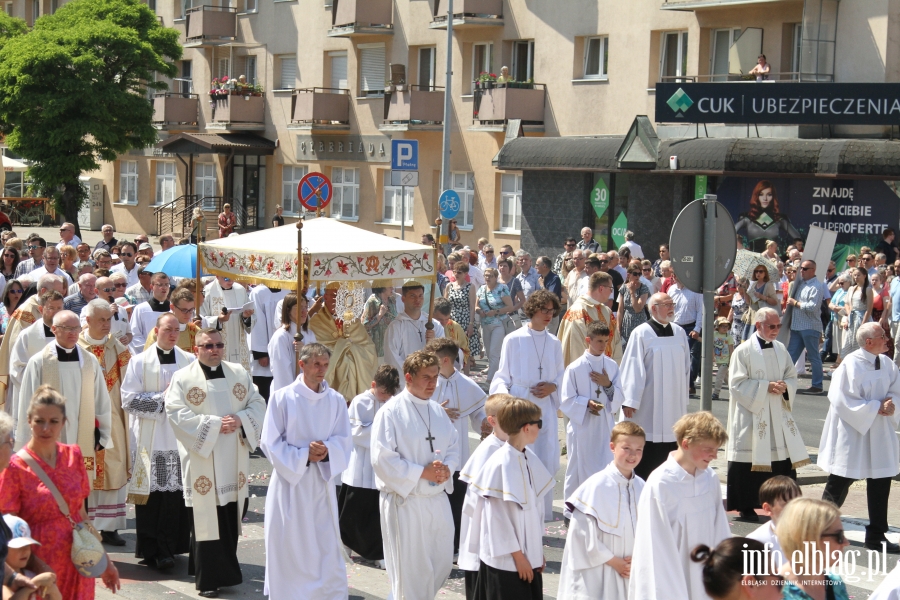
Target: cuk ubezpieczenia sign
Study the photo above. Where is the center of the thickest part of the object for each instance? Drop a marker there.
(779, 103)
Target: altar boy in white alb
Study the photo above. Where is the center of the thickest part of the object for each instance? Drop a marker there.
(306, 437)
(858, 438)
(407, 333)
(591, 397)
(531, 367)
(415, 450)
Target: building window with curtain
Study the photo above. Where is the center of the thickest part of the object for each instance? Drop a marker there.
(464, 185)
(290, 181)
(128, 182)
(345, 193)
(288, 69)
(673, 57)
(393, 204)
(165, 182)
(511, 202)
(372, 69)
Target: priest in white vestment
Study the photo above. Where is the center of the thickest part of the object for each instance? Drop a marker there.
(145, 314)
(859, 439)
(221, 294)
(76, 374)
(217, 415)
(654, 374)
(282, 355)
(265, 300)
(415, 450)
(120, 328)
(306, 437)
(163, 522)
(763, 438)
(531, 367)
(591, 398)
(408, 332)
(30, 341)
(583, 310)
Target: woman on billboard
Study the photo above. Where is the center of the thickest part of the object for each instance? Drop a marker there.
(765, 221)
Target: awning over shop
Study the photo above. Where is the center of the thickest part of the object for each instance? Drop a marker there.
(217, 143)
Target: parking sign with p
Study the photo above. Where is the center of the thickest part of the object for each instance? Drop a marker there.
(405, 155)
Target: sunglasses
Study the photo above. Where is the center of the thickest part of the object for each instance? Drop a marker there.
(772, 327)
(502, 253)
(217, 346)
(16, 291)
(35, 247)
(806, 268)
(112, 289)
(570, 245)
(128, 254)
(540, 424)
(489, 252)
(121, 285)
(837, 535)
(635, 273)
(760, 272)
(646, 269)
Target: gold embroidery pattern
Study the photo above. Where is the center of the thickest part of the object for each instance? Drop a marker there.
(242, 481)
(792, 426)
(239, 391)
(762, 429)
(203, 485)
(196, 396)
(89, 463)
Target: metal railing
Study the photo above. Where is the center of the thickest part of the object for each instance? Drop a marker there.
(786, 77)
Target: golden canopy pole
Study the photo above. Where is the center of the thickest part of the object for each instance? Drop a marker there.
(298, 337)
(198, 298)
(430, 324)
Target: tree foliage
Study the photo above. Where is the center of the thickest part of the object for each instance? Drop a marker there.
(73, 90)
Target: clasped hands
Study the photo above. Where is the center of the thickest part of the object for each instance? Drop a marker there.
(317, 451)
(543, 389)
(777, 387)
(436, 471)
(230, 423)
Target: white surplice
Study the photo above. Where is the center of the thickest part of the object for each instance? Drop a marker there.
(677, 512)
(604, 520)
(468, 398)
(857, 442)
(765, 534)
(404, 336)
(416, 521)
(234, 332)
(587, 435)
(468, 561)
(303, 542)
(119, 325)
(529, 357)
(267, 322)
(507, 514)
(143, 321)
(889, 589)
(362, 413)
(31, 340)
(654, 375)
(283, 357)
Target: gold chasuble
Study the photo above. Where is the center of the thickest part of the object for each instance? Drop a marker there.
(22, 318)
(353, 357)
(114, 465)
(573, 329)
(185, 338)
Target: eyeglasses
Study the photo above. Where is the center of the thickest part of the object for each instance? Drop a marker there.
(806, 268)
(772, 327)
(646, 269)
(757, 272)
(35, 247)
(121, 285)
(183, 310)
(65, 329)
(65, 229)
(547, 311)
(635, 273)
(570, 245)
(16, 291)
(488, 252)
(837, 535)
(217, 346)
(128, 254)
(539, 423)
(504, 253)
(604, 262)
(109, 290)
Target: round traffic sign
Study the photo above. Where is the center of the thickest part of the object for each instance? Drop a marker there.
(687, 240)
(449, 203)
(314, 191)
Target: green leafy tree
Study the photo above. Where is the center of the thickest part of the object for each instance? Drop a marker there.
(73, 90)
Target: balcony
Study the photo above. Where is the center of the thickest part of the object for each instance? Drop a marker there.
(786, 77)
(210, 26)
(469, 14)
(352, 18)
(320, 109)
(413, 108)
(238, 113)
(693, 5)
(495, 104)
(176, 111)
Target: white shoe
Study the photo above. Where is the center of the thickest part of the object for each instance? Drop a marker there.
(380, 564)
(456, 558)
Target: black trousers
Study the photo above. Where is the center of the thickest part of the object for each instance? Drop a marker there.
(494, 584)
(744, 483)
(878, 492)
(655, 454)
(215, 563)
(457, 498)
(264, 385)
(696, 348)
(164, 526)
(360, 521)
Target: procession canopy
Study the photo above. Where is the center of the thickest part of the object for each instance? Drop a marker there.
(333, 252)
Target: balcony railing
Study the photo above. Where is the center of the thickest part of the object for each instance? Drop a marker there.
(361, 17)
(210, 25)
(174, 108)
(786, 77)
(240, 111)
(497, 103)
(414, 105)
(467, 13)
(321, 106)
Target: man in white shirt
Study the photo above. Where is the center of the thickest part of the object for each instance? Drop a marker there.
(635, 248)
(128, 254)
(688, 316)
(51, 265)
(408, 332)
(67, 236)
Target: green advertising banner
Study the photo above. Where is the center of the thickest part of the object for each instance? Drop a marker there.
(600, 198)
(699, 186)
(619, 228)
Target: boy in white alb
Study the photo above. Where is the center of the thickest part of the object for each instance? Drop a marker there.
(591, 397)
(774, 494)
(596, 561)
(507, 523)
(468, 562)
(358, 499)
(461, 398)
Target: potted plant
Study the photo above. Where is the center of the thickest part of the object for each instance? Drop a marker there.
(389, 87)
(486, 80)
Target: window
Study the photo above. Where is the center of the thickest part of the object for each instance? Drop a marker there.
(345, 193)
(371, 69)
(673, 56)
(426, 68)
(511, 203)
(165, 182)
(9, 8)
(252, 6)
(339, 70)
(184, 83)
(224, 68)
(290, 181)
(393, 208)
(722, 40)
(288, 80)
(596, 57)
(205, 184)
(151, 4)
(35, 10)
(54, 5)
(128, 180)
(482, 60)
(523, 61)
(248, 69)
(464, 185)
(795, 51)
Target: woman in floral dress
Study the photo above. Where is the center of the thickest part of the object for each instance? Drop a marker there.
(633, 297)
(461, 295)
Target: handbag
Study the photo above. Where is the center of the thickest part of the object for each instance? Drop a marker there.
(88, 554)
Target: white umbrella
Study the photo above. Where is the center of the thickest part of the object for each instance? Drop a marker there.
(11, 164)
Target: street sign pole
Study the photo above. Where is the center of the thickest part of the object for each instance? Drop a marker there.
(402, 212)
(709, 299)
(448, 108)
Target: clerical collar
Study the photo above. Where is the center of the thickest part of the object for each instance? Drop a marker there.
(66, 355)
(47, 331)
(157, 306)
(874, 359)
(660, 329)
(167, 357)
(212, 372)
(182, 326)
(763, 344)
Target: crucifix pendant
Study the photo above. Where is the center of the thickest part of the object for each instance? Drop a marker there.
(599, 389)
(421, 339)
(541, 372)
(430, 439)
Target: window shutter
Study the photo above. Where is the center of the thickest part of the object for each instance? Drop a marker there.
(288, 73)
(372, 69)
(339, 71)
